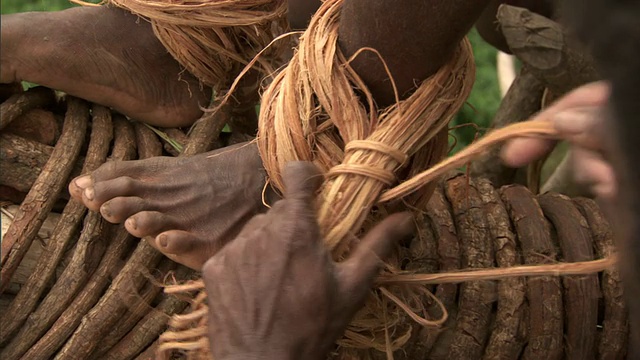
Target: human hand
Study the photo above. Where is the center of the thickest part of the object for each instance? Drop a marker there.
(275, 293)
(579, 118)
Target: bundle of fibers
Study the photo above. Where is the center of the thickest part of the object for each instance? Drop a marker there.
(311, 112)
(214, 39)
(374, 161)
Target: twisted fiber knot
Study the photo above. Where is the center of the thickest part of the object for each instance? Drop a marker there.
(380, 147)
(311, 112)
(385, 176)
(214, 39)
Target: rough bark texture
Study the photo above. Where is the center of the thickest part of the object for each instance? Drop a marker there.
(581, 293)
(475, 303)
(546, 49)
(19, 104)
(206, 130)
(148, 329)
(139, 303)
(23, 161)
(104, 306)
(96, 257)
(37, 125)
(44, 192)
(148, 143)
(508, 331)
(520, 103)
(26, 300)
(449, 259)
(544, 293)
(614, 337)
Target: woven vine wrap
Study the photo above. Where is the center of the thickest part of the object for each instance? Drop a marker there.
(214, 39)
(312, 112)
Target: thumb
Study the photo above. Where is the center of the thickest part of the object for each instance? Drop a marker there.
(301, 180)
(358, 271)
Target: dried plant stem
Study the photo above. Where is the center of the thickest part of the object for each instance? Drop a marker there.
(20, 103)
(26, 300)
(558, 269)
(95, 257)
(43, 194)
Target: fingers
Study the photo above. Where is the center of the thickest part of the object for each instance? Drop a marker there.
(577, 113)
(583, 127)
(358, 271)
(595, 94)
(592, 169)
(255, 224)
(301, 180)
(519, 152)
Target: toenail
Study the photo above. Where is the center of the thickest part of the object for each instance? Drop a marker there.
(83, 182)
(89, 193)
(162, 240)
(105, 211)
(131, 223)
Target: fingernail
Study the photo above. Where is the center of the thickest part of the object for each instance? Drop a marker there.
(162, 240)
(89, 193)
(83, 182)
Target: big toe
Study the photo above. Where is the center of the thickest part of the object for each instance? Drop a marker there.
(185, 247)
(78, 185)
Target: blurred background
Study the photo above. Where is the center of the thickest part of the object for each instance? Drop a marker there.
(479, 110)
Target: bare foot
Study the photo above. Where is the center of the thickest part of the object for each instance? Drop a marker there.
(105, 55)
(187, 208)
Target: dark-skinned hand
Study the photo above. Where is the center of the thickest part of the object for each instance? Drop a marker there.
(275, 292)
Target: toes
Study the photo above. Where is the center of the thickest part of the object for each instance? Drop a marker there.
(134, 169)
(102, 191)
(119, 209)
(185, 248)
(149, 223)
(78, 185)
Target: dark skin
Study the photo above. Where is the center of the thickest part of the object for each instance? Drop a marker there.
(90, 52)
(425, 35)
(282, 296)
(162, 222)
(150, 196)
(198, 203)
(169, 210)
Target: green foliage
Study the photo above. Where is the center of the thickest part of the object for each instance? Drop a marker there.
(485, 96)
(14, 6)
